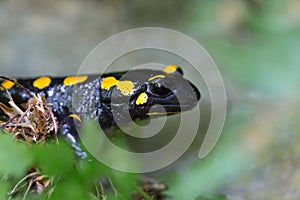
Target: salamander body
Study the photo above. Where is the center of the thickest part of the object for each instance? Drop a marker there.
(133, 94)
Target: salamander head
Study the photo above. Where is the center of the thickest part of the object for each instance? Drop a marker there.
(150, 92)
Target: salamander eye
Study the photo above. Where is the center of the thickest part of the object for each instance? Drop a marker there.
(159, 90)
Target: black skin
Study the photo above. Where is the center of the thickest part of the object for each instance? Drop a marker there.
(89, 101)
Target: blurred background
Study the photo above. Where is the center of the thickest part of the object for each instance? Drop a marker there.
(256, 45)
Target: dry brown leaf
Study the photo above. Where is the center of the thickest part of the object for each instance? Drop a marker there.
(35, 123)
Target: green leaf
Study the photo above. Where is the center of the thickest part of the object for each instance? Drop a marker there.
(55, 159)
(15, 157)
(124, 183)
(4, 189)
(70, 189)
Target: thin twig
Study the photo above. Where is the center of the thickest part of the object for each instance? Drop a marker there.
(112, 186)
(98, 193)
(103, 196)
(20, 119)
(23, 179)
(27, 189)
(143, 193)
(114, 189)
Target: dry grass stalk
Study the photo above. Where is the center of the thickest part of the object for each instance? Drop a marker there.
(35, 124)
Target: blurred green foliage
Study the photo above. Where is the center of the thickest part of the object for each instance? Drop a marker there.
(256, 46)
(72, 178)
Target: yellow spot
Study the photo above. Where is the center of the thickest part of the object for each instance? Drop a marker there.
(75, 116)
(125, 87)
(157, 76)
(143, 98)
(108, 82)
(42, 82)
(170, 69)
(72, 80)
(7, 85)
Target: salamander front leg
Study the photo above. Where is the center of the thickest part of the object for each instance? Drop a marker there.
(68, 130)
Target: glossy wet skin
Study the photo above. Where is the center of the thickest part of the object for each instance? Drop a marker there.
(134, 95)
(152, 90)
(136, 90)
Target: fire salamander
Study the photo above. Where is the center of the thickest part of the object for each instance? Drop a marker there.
(94, 96)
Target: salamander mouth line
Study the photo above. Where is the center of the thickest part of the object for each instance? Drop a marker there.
(183, 107)
(161, 113)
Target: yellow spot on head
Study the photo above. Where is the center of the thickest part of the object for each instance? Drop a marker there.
(125, 87)
(170, 69)
(157, 76)
(72, 80)
(108, 82)
(42, 82)
(75, 116)
(7, 84)
(143, 98)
